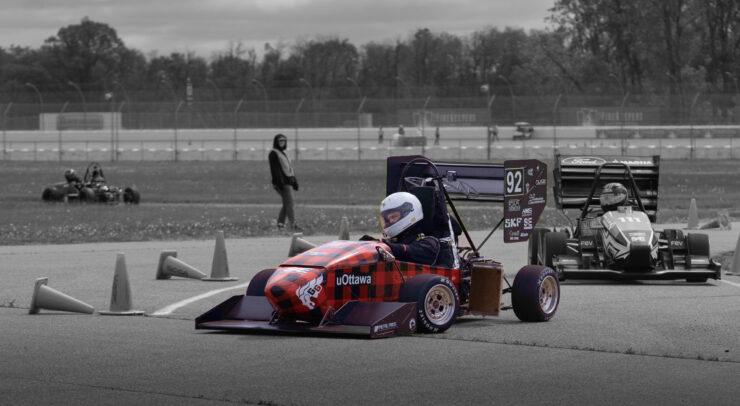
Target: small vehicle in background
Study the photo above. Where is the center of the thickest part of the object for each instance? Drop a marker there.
(92, 188)
(522, 131)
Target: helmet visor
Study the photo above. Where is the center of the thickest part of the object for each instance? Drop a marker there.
(389, 217)
(613, 195)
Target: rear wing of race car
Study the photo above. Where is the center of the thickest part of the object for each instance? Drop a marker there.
(579, 177)
(521, 185)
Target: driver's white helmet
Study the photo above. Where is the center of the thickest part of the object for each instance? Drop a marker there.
(398, 212)
(612, 196)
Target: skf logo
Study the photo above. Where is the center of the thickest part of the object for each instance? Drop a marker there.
(512, 223)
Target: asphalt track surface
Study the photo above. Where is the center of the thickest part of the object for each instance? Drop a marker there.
(609, 343)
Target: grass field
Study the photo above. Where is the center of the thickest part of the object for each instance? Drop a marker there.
(193, 200)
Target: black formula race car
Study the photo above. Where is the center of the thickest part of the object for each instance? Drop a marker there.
(358, 287)
(613, 235)
(92, 188)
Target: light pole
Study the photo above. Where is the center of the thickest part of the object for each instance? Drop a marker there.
(41, 101)
(218, 94)
(313, 98)
(236, 125)
(511, 92)
(84, 103)
(264, 96)
(625, 95)
(359, 113)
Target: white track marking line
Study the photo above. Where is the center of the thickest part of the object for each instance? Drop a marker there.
(171, 308)
(737, 285)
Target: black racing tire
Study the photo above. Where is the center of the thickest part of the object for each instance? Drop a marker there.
(47, 195)
(697, 244)
(535, 294)
(554, 244)
(696, 280)
(87, 195)
(437, 301)
(533, 247)
(131, 195)
(258, 282)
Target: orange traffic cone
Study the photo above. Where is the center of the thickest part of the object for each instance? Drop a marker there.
(220, 265)
(735, 268)
(120, 298)
(170, 266)
(344, 229)
(693, 216)
(45, 297)
(298, 245)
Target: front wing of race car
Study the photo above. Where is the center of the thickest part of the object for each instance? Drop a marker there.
(695, 268)
(369, 319)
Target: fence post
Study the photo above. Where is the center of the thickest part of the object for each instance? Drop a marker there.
(64, 107)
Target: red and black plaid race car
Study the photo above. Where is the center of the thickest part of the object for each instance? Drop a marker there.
(358, 287)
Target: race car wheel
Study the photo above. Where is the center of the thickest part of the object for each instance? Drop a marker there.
(554, 244)
(535, 295)
(47, 195)
(533, 247)
(437, 301)
(697, 245)
(258, 282)
(131, 195)
(87, 195)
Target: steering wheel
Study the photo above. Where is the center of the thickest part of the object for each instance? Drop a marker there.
(403, 179)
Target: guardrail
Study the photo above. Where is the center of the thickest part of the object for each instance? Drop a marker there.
(367, 149)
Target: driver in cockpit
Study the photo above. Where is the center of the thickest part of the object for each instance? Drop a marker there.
(612, 196)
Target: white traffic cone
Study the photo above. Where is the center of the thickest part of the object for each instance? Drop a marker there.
(45, 297)
(120, 297)
(298, 245)
(160, 266)
(735, 268)
(175, 267)
(344, 229)
(220, 265)
(693, 216)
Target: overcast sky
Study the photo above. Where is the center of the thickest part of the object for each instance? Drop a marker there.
(208, 26)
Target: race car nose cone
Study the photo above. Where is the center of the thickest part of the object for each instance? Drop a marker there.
(297, 291)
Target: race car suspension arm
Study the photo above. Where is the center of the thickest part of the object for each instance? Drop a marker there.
(491, 233)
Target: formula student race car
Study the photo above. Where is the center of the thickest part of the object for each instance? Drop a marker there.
(358, 287)
(613, 236)
(91, 188)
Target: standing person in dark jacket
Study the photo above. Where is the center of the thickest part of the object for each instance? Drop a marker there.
(283, 181)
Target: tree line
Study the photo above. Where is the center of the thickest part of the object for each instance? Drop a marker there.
(591, 47)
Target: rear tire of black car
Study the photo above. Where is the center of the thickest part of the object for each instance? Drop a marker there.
(554, 244)
(533, 247)
(535, 294)
(437, 302)
(131, 195)
(258, 282)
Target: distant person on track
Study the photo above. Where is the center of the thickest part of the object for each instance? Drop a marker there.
(401, 131)
(283, 181)
(436, 136)
(380, 135)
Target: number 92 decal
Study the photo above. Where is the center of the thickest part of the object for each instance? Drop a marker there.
(514, 181)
